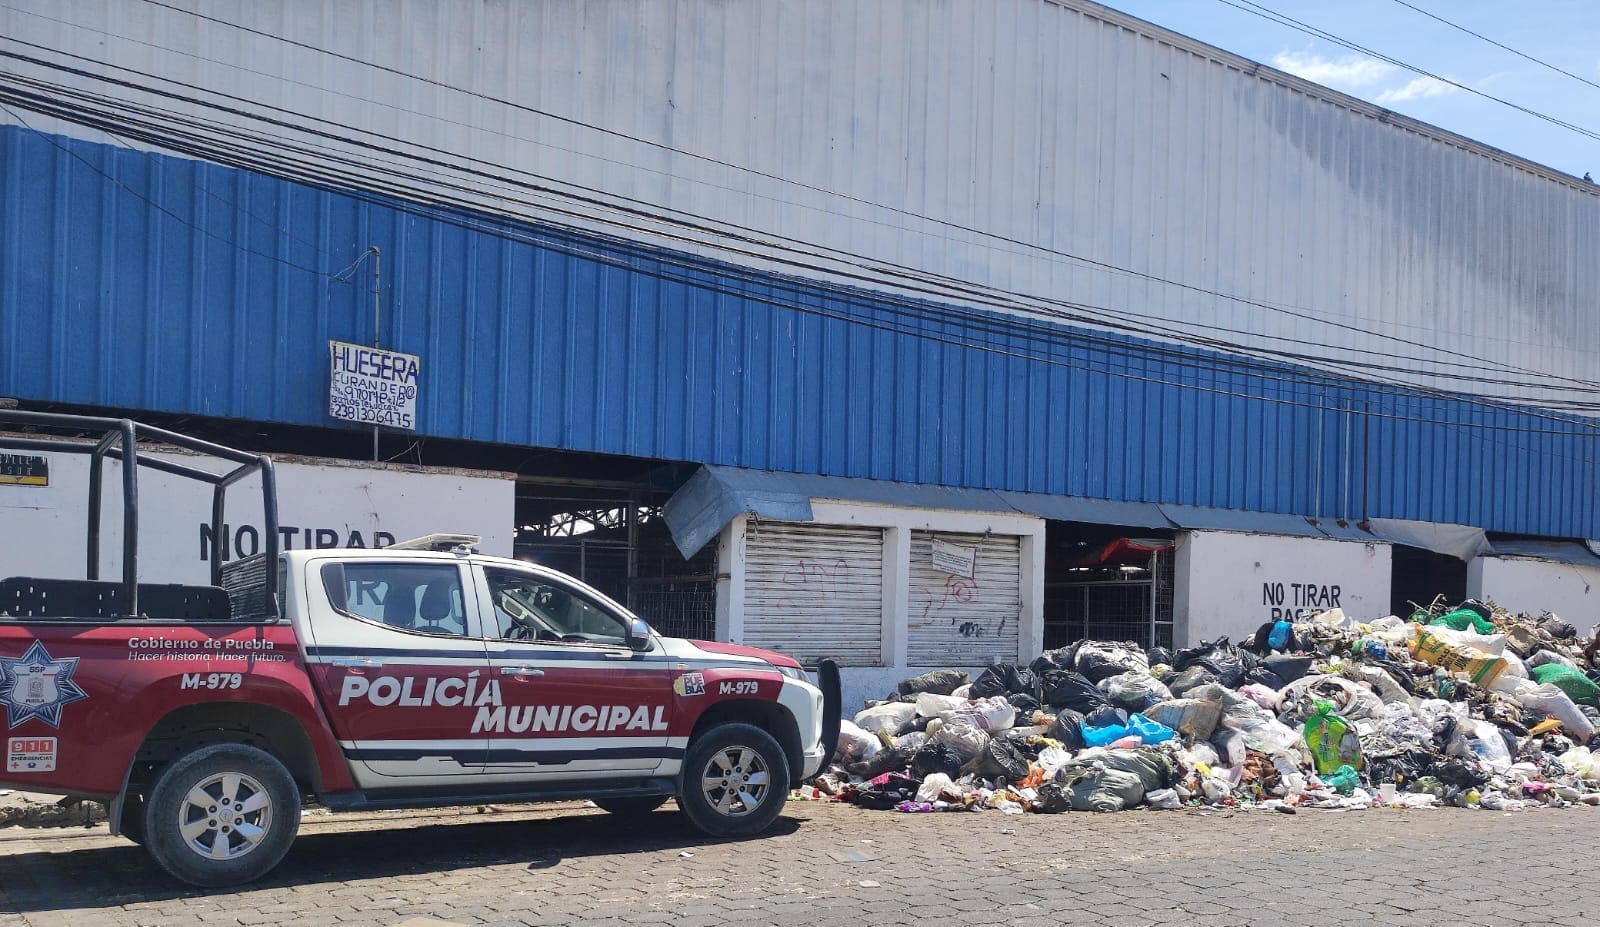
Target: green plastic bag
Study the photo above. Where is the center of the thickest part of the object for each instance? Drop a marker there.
(1332, 740)
(1463, 618)
(1344, 780)
(1579, 688)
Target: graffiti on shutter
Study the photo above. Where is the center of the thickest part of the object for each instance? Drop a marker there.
(961, 620)
(814, 591)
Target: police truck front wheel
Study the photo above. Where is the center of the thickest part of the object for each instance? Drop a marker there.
(221, 815)
(735, 781)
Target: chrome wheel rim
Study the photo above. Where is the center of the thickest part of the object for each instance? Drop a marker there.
(225, 816)
(735, 781)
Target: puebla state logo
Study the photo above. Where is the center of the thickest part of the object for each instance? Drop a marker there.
(35, 686)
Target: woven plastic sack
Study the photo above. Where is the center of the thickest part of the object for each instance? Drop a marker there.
(1579, 688)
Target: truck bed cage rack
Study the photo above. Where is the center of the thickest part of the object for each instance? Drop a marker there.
(120, 441)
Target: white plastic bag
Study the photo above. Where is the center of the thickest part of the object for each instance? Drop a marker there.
(890, 717)
(1481, 739)
(1052, 759)
(985, 714)
(1549, 699)
(1265, 696)
(930, 705)
(856, 744)
(1163, 799)
(933, 786)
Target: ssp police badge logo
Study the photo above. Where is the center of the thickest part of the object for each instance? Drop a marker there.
(36, 686)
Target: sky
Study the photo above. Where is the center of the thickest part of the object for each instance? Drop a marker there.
(1563, 33)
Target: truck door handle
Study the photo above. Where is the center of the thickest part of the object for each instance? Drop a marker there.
(357, 661)
(526, 671)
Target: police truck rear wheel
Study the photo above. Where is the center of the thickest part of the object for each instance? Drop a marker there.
(735, 781)
(222, 815)
(631, 807)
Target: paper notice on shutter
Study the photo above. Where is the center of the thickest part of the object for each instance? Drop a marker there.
(955, 559)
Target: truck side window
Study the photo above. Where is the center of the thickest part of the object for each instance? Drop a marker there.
(529, 607)
(407, 596)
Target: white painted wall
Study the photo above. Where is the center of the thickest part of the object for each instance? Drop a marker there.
(1229, 584)
(328, 503)
(861, 683)
(1525, 584)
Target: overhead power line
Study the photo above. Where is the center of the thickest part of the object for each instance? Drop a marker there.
(1293, 312)
(916, 324)
(1099, 316)
(1478, 35)
(1271, 15)
(943, 287)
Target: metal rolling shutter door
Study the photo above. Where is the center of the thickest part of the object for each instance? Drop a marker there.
(957, 621)
(815, 591)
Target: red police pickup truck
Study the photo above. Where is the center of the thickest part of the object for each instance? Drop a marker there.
(421, 674)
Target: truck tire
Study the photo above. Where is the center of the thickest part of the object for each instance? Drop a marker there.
(735, 781)
(632, 806)
(221, 815)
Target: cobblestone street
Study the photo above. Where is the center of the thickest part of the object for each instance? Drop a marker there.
(829, 864)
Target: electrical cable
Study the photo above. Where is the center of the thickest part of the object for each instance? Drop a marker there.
(967, 293)
(544, 241)
(1271, 15)
(1031, 246)
(1478, 35)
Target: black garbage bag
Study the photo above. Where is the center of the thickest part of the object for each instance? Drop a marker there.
(1096, 666)
(936, 757)
(1024, 704)
(1106, 716)
(1063, 689)
(938, 682)
(1062, 658)
(1263, 676)
(1054, 798)
(1227, 662)
(889, 759)
(1000, 760)
(899, 788)
(1159, 656)
(1004, 679)
(1400, 767)
(1286, 667)
(1558, 628)
(1192, 678)
(1461, 772)
(1480, 609)
(1018, 737)
(1068, 729)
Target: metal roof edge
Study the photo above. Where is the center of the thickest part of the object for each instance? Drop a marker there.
(1324, 93)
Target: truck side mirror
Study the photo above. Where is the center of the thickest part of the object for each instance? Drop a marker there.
(638, 636)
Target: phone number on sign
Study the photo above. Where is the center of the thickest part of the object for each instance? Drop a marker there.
(392, 418)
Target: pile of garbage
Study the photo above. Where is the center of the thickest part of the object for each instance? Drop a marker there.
(1468, 706)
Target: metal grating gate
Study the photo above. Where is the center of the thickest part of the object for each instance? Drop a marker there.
(965, 621)
(814, 591)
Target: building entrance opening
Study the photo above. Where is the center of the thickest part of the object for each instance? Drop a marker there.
(611, 535)
(1419, 576)
(1104, 582)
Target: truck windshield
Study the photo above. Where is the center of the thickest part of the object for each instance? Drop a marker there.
(530, 607)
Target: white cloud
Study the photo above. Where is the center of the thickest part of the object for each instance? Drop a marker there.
(1349, 71)
(1420, 89)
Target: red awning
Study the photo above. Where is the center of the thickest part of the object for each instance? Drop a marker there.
(1126, 551)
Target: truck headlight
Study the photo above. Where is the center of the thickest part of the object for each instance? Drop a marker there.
(793, 672)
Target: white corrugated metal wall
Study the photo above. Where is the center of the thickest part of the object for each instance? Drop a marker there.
(1063, 126)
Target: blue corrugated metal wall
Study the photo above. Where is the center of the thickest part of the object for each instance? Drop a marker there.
(149, 282)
